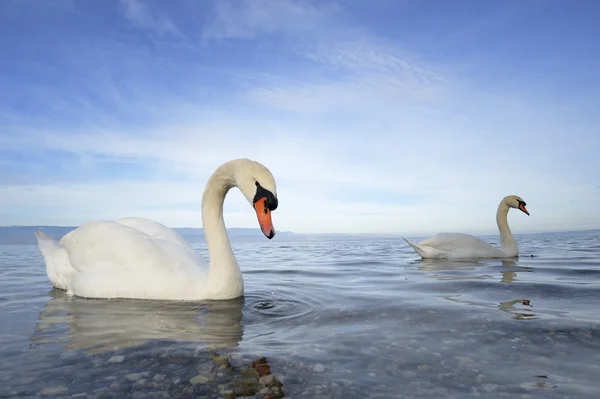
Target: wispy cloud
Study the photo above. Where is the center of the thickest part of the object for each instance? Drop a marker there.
(141, 17)
(371, 56)
(247, 19)
(361, 133)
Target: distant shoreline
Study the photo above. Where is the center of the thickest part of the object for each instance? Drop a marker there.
(24, 234)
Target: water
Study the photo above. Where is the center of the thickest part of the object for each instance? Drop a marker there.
(343, 318)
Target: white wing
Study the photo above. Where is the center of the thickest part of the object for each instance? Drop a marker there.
(455, 246)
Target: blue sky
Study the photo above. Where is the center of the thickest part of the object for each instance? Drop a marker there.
(374, 116)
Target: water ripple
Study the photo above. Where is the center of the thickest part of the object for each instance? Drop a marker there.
(355, 317)
(279, 307)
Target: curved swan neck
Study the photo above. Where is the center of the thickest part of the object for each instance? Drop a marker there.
(507, 241)
(224, 271)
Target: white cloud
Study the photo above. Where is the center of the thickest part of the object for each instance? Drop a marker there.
(356, 63)
(364, 138)
(308, 208)
(324, 184)
(364, 55)
(250, 18)
(142, 18)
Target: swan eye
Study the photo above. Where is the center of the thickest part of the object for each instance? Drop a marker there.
(271, 201)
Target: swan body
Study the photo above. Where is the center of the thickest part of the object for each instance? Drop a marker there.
(139, 258)
(464, 246)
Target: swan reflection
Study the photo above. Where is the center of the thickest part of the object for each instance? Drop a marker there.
(102, 325)
(517, 313)
(445, 265)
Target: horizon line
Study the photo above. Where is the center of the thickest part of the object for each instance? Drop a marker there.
(399, 234)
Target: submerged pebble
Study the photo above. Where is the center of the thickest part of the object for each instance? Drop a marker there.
(199, 379)
(267, 379)
(134, 376)
(54, 390)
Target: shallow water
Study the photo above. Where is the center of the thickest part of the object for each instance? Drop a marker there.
(343, 318)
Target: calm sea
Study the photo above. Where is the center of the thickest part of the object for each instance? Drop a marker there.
(334, 318)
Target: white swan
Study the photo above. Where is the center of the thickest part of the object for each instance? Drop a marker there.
(140, 258)
(464, 246)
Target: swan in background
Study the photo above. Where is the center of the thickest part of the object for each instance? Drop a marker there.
(464, 246)
(140, 258)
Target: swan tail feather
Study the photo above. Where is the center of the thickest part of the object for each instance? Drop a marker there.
(58, 265)
(416, 247)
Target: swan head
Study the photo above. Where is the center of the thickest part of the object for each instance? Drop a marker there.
(514, 201)
(257, 184)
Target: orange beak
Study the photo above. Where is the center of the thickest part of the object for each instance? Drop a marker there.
(264, 218)
(523, 209)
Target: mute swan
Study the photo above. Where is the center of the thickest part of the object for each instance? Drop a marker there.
(464, 246)
(140, 258)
